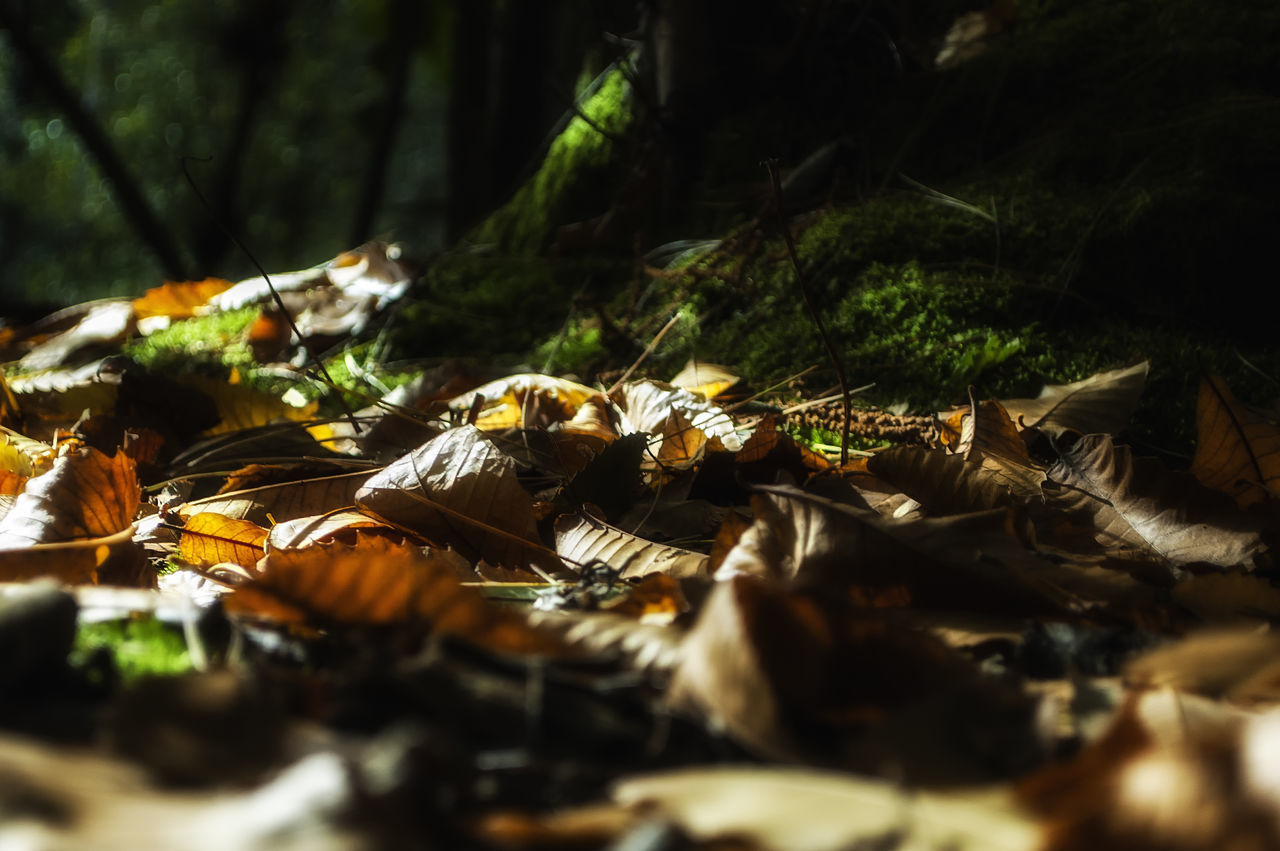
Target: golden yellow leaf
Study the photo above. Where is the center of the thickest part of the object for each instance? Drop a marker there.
(244, 407)
(213, 538)
(1238, 452)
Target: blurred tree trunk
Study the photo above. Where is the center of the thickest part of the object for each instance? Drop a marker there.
(124, 187)
(404, 20)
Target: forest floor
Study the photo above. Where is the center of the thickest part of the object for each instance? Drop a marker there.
(517, 611)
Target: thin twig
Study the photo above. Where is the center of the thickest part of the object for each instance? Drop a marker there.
(653, 344)
(845, 397)
(293, 326)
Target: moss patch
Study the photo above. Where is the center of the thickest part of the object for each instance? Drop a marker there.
(140, 647)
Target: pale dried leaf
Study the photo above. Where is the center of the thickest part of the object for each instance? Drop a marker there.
(649, 406)
(283, 501)
(1101, 403)
(794, 809)
(1137, 502)
(581, 539)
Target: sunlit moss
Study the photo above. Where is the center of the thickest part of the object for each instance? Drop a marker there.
(568, 174)
(140, 647)
(188, 345)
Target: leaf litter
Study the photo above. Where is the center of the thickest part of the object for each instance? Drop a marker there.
(523, 611)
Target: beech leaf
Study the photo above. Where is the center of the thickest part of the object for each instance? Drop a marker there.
(86, 494)
(1137, 502)
(454, 478)
(1101, 403)
(1238, 452)
(212, 538)
(581, 538)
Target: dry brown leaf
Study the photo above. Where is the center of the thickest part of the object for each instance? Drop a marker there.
(1229, 597)
(798, 675)
(110, 560)
(86, 494)
(793, 809)
(1238, 452)
(178, 300)
(105, 323)
(325, 528)
(285, 500)
(460, 489)
(1213, 663)
(1101, 403)
(581, 539)
(380, 582)
(212, 538)
(940, 481)
(1137, 502)
(654, 648)
(968, 561)
(1173, 771)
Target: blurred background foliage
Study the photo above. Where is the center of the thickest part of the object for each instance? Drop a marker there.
(316, 126)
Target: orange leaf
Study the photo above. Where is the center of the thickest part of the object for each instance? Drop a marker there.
(381, 582)
(1238, 452)
(178, 300)
(85, 495)
(213, 538)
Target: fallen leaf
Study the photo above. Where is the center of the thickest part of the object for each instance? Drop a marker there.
(1238, 452)
(460, 489)
(242, 407)
(284, 501)
(706, 379)
(581, 539)
(381, 582)
(1101, 403)
(940, 481)
(793, 809)
(86, 494)
(1137, 502)
(964, 561)
(178, 300)
(105, 323)
(650, 406)
(324, 528)
(793, 674)
(109, 560)
(528, 400)
(212, 538)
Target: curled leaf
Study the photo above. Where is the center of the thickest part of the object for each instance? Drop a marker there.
(85, 495)
(1238, 452)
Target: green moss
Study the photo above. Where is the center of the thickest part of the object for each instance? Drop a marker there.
(577, 349)
(567, 186)
(216, 341)
(140, 647)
